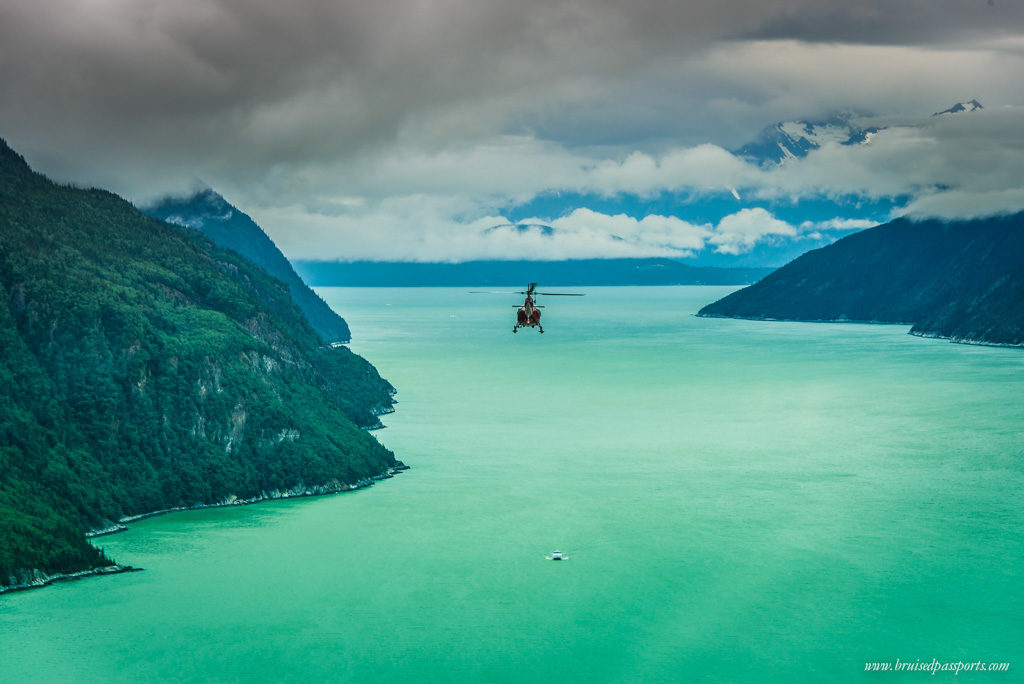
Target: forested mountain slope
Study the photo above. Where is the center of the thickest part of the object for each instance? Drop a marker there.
(210, 214)
(143, 368)
(962, 280)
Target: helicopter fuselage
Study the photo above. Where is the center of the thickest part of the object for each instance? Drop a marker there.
(528, 316)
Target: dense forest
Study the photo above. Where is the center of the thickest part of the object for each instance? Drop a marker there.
(143, 368)
(962, 280)
(212, 215)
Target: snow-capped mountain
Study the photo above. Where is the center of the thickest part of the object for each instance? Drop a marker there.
(816, 221)
(792, 139)
(959, 107)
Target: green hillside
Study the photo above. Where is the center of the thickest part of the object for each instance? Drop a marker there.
(143, 368)
(214, 217)
(962, 280)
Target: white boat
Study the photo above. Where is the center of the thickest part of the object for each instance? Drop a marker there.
(557, 555)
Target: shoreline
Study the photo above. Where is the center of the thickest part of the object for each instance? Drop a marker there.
(37, 579)
(297, 492)
(381, 410)
(800, 320)
(41, 579)
(964, 340)
(916, 333)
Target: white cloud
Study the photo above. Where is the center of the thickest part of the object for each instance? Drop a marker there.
(837, 224)
(960, 204)
(419, 204)
(739, 232)
(667, 233)
(418, 230)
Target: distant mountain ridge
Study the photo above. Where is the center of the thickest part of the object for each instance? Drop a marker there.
(212, 215)
(961, 280)
(476, 273)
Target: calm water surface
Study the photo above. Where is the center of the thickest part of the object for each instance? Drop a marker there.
(740, 501)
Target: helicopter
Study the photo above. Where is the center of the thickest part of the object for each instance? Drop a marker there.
(528, 315)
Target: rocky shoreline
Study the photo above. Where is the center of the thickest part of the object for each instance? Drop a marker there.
(381, 410)
(36, 579)
(332, 487)
(964, 340)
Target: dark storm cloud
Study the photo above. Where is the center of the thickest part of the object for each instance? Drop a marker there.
(895, 22)
(312, 109)
(276, 67)
(259, 81)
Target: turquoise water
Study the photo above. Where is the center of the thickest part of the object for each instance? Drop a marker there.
(740, 501)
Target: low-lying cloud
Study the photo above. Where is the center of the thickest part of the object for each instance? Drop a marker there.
(581, 234)
(435, 205)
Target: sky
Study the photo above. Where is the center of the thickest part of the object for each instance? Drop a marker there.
(419, 129)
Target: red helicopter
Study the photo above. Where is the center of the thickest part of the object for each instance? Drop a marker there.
(528, 315)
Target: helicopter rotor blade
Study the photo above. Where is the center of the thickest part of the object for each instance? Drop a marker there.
(561, 294)
(493, 292)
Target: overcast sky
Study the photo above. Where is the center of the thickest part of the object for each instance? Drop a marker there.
(401, 128)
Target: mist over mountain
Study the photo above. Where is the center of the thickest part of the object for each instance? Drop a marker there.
(726, 230)
(786, 140)
(794, 139)
(230, 228)
(959, 107)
